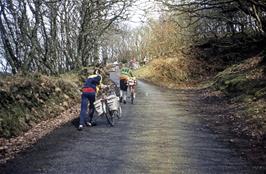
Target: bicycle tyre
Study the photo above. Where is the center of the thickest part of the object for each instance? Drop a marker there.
(110, 118)
(132, 97)
(118, 113)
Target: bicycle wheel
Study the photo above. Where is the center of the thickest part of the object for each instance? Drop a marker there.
(132, 97)
(110, 117)
(118, 113)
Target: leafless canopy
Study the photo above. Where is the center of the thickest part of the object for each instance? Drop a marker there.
(221, 16)
(54, 36)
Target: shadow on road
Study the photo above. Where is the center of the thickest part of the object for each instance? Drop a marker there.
(75, 122)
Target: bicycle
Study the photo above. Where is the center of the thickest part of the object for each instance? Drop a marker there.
(108, 105)
(132, 85)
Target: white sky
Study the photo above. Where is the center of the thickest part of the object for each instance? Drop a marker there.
(141, 11)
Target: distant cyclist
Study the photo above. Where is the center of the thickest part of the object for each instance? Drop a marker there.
(125, 73)
(132, 82)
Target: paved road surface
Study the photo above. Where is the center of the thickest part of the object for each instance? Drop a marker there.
(156, 135)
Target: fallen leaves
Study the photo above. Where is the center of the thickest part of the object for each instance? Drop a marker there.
(245, 129)
(10, 147)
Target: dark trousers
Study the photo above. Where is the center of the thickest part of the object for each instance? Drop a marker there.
(123, 84)
(85, 98)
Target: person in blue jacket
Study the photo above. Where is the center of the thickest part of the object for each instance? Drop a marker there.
(89, 91)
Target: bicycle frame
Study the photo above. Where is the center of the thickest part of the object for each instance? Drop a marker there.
(105, 110)
(132, 92)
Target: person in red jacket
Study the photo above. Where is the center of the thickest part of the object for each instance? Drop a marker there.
(89, 90)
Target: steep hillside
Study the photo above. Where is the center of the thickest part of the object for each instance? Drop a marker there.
(25, 101)
(244, 85)
(235, 105)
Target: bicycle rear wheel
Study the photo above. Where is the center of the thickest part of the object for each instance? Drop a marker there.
(132, 97)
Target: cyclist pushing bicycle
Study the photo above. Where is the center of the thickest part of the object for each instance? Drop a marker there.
(90, 88)
(125, 74)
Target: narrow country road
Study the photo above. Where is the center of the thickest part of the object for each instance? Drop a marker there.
(157, 134)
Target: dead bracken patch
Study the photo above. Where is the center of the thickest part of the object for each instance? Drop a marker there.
(177, 72)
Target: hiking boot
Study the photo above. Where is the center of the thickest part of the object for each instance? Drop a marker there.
(88, 124)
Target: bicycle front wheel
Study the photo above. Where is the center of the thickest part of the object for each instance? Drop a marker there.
(118, 113)
(110, 118)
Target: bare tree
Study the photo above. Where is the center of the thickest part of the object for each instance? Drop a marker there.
(230, 16)
(55, 36)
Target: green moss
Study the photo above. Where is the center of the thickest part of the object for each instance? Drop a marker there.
(229, 82)
(260, 93)
(244, 98)
(13, 121)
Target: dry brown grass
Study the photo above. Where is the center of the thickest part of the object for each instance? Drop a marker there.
(173, 72)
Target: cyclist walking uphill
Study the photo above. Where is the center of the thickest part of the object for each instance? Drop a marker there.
(125, 73)
(89, 91)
